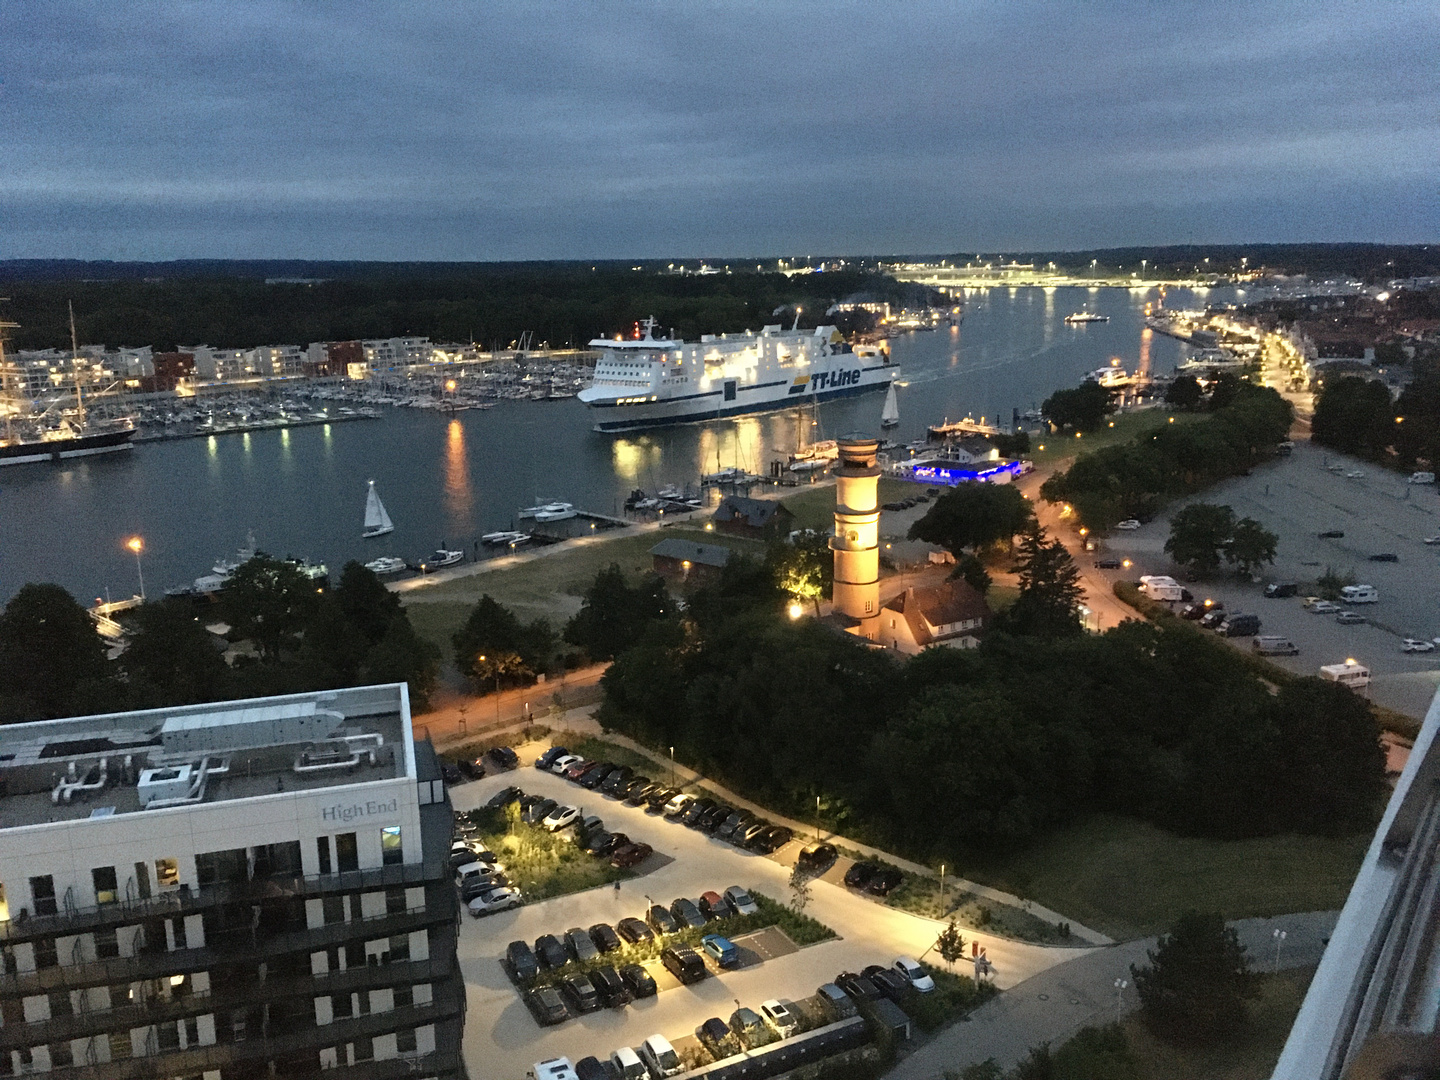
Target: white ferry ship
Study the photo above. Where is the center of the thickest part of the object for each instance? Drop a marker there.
(647, 381)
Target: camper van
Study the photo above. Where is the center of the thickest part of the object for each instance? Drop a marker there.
(1422, 478)
(1160, 587)
(1348, 674)
(1360, 594)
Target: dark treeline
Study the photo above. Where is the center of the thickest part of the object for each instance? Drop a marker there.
(953, 753)
(560, 304)
(1358, 416)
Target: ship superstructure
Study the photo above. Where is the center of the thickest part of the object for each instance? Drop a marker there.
(648, 381)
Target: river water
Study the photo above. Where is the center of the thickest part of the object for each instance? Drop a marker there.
(448, 479)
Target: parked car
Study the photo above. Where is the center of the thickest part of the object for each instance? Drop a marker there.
(712, 905)
(504, 797)
(661, 921)
(628, 855)
(593, 778)
(502, 757)
(561, 817)
(914, 974)
(1385, 556)
(471, 770)
(640, 791)
(725, 952)
(1274, 645)
(560, 764)
(587, 825)
(772, 839)
(575, 771)
(696, 810)
(745, 837)
(782, 1018)
(474, 871)
(1324, 607)
(547, 1005)
(451, 774)
(857, 986)
(888, 981)
(520, 961)
(554, 1069)
(1108, 564)
(1349, 618)
(859, 875)
(684, 963)
(714, 818)
(479, 886)
(1332, 534)
(611, 987)
(549, 757)
(836, 1002)
(679, 803)
(749, 1029)
(579, 945)
(817, 857)
(550, 952)
(625, 1064)
(591, 1068)
(659, 799)
(618, 776)
(604, 937)
(660, 1057)
(726, 828)
(639, 980)
(1214, 617)
(1277, 590)
(1416, 645)
(581, 992)
(538, 812)
(599, 842)
(634, 931)
(687, 914)
(716, 1038)
(1238, 624)
(1128, 525)
(740, 901)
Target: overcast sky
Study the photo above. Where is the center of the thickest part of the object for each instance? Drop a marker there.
(492, 130)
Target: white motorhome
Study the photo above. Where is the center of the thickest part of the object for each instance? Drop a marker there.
(1348, 674)
(1161, 587)
(1360, 594)
(1422, 478)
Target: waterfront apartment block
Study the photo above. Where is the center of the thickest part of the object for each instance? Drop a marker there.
(242, 889)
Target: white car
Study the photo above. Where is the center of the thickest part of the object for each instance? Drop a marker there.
(917, 976)
(678, 805)
(553, 1069)
(488, 903)
(560, 764)
(1128, 524)
(1432, 539)
(740, 901)
(1324, 607)
(780, 1017)
(1414, 645)
(561, 817)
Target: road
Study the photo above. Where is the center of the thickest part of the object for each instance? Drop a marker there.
(501, 1038)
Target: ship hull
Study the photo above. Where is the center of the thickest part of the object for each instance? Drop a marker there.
(765, 397)
(82, 446)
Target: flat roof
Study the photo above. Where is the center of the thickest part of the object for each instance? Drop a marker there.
(97, 766)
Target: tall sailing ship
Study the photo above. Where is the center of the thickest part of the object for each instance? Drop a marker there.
(648, 381)
(57, 422)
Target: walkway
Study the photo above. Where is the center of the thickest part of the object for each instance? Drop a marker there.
(1053, 1005)
(458, 718)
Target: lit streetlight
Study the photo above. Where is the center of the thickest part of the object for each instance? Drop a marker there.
(1279, 936)
(1120, 985)
(137, 545)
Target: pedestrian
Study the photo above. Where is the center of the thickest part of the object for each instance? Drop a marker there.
(617, 888)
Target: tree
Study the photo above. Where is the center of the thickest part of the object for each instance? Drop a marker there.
(1184, 392)
(367, 604)
(800, 880)
(1082, 408)
(171, 659)
(973, 571)
(1354, 415)
(1198, 980)
(613, 616)
(52, 661)
(950, 944)
(493, 642)
(1050, 590)
(268, 601)
(1224, 390)
(1327, 775)
(1199, 535)
(974, 515)
(1250, 546)
(804, 570)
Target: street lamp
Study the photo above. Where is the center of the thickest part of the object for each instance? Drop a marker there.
(1279, 936)
(1120, 985)
(497, 688)
(672, 766)
(137, 545)
(817, 819)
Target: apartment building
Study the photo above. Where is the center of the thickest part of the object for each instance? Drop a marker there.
(385, 353)
(243, 889)
(278, 361)
(220, 365)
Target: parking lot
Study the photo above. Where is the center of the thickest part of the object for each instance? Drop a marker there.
(1297, 498)
(502, 1039)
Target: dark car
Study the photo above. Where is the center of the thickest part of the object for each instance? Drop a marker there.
(658, 797)
(639, 791)
(745, 835)
(713, 906)
(715, 1037)
(550, 952)
(599, 842)
(1332, 534)
(614, 844)
(857, 986)
(634, 931)
(575, 771)
(471, 770)
(888, 981)
(1277, 590)
(661, 921)
(1385, 556)
(628, 855)
(592, 1068)
(884, 880)
(1193, 612)
(859, 875)
(604, 936)
(712, 821)
(537, 812)
(453, 775)
(1214, 617)
(816, 857)
(736, 821)
(547, 1005)
(684, 963)
(593, 778)
(520, 961)
(611, 987)
(554, 754)
(640, 982)
(579, 945)
(698, 809)
(504, 797)
(617, 777)
(687, 914)
(1108, 564)
(581, 992)
(503, 756)
(772, 839)
(483, 883)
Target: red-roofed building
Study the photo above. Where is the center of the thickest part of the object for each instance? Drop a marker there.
(953, 613)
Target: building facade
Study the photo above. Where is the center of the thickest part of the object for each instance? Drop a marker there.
(234, 890)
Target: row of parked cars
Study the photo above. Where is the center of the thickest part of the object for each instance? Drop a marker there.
(479, 874)
(739, 827)
(495, 760)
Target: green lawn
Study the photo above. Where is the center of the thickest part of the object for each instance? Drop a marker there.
(1049, 451)
(1130, 879)
(540, 863)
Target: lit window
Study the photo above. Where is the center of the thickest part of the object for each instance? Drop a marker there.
(390, 849)
(167, 873)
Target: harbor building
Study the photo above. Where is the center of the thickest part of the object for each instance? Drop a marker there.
(242, 889)
(856, 542)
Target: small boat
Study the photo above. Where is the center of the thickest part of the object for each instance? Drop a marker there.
(314, 571)
(890, 414)
(725, 476)
(556, 512)
(500, 538)
(225, 567)
(806, 465)
(1086, 317)
(377, 521)
(437, 559)
(386, 564)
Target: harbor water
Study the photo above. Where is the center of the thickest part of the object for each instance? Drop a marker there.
(447, 479)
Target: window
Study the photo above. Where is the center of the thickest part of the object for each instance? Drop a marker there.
(364, 1049)
(167, 1035)
(399, 948)
(404, 998)
(142, 880)
(107, 943)
(120, 1045)
(192, 1030)
(60, 1004)
(214, 867)
(405, 1040)
(61, 1055)
(4, 907)
(391, 853)
(347, 852)
(107, 889)
(42, 892)
(322, 848)
(341, 1007)
(178, 930)
(167, 873)
(46, 955)
(333, 907)
(395, 900)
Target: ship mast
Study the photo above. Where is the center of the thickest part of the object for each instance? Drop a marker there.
(75, 366)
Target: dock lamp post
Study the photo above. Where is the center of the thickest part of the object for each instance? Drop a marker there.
(1120, 985)
(137, 545)
(1279, 936)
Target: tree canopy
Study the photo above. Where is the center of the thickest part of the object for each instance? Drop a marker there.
(1082, 409)
(52, 661)
(494, 646)
(614, 614)
(1355, 416)
(1050, 590)
(1195, 988)
(974, 515)
(1201, 534)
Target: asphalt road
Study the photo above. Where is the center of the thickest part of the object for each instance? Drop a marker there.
(501, 1038)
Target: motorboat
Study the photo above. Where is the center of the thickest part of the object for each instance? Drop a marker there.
(438, 559)
(1086, 317)
(386, 564)
(555, 512)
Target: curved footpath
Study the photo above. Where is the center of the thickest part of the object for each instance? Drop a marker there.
(1057, 1002)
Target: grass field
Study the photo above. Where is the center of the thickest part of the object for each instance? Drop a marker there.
(1248, 1056)
(1129, 879)
(814, 507)
(1049, 451)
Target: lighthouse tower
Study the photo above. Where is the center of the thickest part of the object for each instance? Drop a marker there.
(856, 542)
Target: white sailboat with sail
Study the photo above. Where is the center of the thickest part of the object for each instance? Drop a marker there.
(890, 414)
(377, 521)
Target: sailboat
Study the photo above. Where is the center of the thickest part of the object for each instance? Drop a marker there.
(890, 415)
(377, 521)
